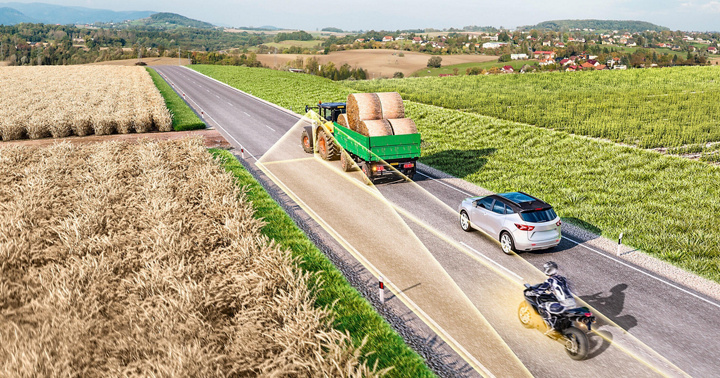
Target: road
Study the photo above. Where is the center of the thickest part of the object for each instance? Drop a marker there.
(669, 331)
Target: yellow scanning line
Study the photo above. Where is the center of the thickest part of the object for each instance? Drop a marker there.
(289, 160)
(507, 276)
(462, 352)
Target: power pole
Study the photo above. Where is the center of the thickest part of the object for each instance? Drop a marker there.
(179, 57)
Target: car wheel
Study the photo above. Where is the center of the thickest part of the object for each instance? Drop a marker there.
(465, 221)
(507, 243)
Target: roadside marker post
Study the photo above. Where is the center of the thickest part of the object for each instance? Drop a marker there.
(619, 243)
(242, 153)
(382, 291)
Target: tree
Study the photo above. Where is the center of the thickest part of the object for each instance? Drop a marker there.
(398, 75)
(434, 62)
(505, 58)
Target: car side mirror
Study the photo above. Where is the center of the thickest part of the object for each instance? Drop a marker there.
(527, 286)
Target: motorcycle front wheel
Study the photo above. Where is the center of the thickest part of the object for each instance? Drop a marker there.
(576, 343)
(526, 315)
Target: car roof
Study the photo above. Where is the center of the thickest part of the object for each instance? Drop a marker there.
(521, 202)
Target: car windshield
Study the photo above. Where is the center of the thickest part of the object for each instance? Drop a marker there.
(538, 216)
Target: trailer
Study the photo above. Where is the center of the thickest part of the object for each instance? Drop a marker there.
(376, 156)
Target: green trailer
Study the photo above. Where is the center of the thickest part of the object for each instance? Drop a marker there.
(377, 156)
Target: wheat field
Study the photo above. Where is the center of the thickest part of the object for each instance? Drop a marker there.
(59, 101)
(121, 259)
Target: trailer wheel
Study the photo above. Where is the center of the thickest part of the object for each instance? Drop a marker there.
(346, 161)
(306, 140)
(367, 171)
(326, 146)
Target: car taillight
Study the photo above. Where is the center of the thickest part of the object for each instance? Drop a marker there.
(408, 165)
(588, 314)
(523, 227)
(378, 168)
(558, 223)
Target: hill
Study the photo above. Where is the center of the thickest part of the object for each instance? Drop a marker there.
(9, 16)
(622, 25)
(58, 14)
(171, 21)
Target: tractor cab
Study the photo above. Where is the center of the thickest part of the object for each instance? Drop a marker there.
(329, 110)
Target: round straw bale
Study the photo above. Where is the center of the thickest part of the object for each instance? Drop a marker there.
(343, 120)
(392, 105)
(372, 128)
(362, 107)
(402, 126)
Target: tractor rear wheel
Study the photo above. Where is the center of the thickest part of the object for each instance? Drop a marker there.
(326, 146)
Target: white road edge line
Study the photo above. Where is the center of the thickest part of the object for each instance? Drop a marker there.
(397, 290)
(449, 186)
(269, 127)
(520, 279)
(641, 271)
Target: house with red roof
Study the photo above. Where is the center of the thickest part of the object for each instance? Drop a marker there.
(544, 54)
(508, 69)
(417, 40)
(712, 50)
(387, 38)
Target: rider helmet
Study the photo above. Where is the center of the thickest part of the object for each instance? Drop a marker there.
(550, 268)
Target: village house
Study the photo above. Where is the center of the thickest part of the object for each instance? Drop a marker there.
(494, 45)
(712, 50)
(518, 56)
(544, 54)
(508, 69)
(417, 40)
(387, 38)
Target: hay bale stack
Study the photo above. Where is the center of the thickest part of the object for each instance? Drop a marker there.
(380, 127)
(403, 126)
(343, 120)
(392, 105)
(362, 107)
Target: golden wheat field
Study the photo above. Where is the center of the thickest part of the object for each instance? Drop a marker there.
(59, 101)
(121, 259)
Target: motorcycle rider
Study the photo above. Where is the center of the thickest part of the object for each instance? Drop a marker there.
(557, 288)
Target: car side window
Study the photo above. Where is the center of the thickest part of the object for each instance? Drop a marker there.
(485, 203)
(499, 207)
(509, 210)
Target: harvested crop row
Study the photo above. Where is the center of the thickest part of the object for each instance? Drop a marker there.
(119, 259)
(59, 101)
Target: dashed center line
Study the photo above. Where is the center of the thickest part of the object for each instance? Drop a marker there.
(269, 127)
(247, 114)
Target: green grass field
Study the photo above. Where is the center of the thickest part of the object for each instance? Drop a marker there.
(462, 67)
(183, 117)
(352, 313)
(648, 108)
(664, 205)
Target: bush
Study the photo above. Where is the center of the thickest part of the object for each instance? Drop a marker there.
(504, 58)
(434, 62)
(398, 75)
(475, 71)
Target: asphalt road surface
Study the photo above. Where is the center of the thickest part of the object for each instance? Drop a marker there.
(647, 328)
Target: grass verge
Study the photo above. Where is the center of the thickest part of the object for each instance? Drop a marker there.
(183, 117)
(352, 313)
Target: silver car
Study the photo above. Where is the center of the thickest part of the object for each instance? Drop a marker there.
(520, 221)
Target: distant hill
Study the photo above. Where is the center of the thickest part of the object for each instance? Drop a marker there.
(171, 21)
(630, 26)
(9, 16)
(58, 14)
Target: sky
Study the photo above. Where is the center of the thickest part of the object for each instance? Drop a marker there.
(688, 15)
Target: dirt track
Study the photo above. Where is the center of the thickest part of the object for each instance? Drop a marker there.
(378, 62)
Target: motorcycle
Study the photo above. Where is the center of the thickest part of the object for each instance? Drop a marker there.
(568, 326)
